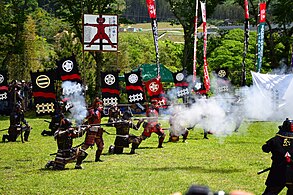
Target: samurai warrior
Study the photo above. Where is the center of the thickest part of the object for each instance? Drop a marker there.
(152, 125)
(18, 125)
(176, 129)
(114, 114)
(94, 134)
(123, 138)
(66, 153)
(281, 171)
(55, 120)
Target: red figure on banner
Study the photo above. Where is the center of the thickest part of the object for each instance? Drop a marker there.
(101, 34)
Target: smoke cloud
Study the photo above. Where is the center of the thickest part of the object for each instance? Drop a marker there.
(73, 92)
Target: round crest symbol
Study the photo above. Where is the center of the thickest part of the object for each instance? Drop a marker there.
(222, 73)
(67, 66)
(133, 78)
(180, 76)
(1, 78)
(109, 79)
(43, 81)
(154, 87)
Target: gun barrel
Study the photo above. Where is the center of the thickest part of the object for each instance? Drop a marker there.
(264, 170)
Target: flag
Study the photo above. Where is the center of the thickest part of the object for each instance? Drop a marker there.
(195, 41)
(44, 93)
(4, 97)
(134, 87)
(205, 40)
(154, 87)
(110, 88)
(180, 83)
(151, 4)
(260, 35)
(68, 69)
(246, 38)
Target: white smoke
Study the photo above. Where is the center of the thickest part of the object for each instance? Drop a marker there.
(223, 113)
(73, 92)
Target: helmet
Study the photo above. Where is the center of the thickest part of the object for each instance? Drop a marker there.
(127, 115)
(286, 128)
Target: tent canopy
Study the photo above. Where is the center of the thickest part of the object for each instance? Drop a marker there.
(150, 71)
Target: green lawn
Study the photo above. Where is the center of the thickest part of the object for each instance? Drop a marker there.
(221, 163)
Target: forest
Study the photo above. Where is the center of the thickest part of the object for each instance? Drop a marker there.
(34, 34)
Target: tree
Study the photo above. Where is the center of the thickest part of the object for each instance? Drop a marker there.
(184, 11)
(72, 11)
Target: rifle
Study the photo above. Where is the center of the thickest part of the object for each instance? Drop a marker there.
(147, 118)
(102, 124)
(263, 171)
(47, 121)
(4, 129)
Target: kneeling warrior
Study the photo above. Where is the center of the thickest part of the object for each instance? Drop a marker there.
(55, 120)
(16, 126)
(123, 138)
(66, 153)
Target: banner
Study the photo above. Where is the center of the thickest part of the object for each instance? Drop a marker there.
(195, 41)
(4, 97)
(272, 96)
(260, 35)
(151, 4)
(181, 84)
(154, 87)
(246, 39)
(205, 39)
(134, 87)
(44, 93)
(100, 32)
(68, 69)
(110, 88)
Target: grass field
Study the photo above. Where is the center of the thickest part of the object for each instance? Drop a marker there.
(221, 163)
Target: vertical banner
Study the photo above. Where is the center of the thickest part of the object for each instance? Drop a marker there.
(246, 38)
(292, 58)
(4, 93)
(205, 39)
(261, 34)
(195, 41)
(100, 32)
(110, 88)
(134, 87)
(151, 4)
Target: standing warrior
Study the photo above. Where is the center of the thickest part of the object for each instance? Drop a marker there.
(281, 171)
(66, 153)
(123, 138)
(94, 134)
(16, 125)
(153, 126)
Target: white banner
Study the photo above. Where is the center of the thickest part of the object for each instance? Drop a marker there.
(100, 32)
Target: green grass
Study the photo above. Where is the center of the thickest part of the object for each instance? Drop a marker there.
(223, 164)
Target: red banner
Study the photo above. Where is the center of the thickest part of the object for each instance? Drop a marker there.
(262, 11)
(205, 38)
(246, 9)
(151, 4)
(154, 86)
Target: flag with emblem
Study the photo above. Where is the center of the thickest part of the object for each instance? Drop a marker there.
(134, 87)
(110, 88)
(181, 84)
(154, 87)
(4, 100)
(223, 84)
(44, 93)
(68, 69)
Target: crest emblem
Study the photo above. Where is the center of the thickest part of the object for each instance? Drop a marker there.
(109, 79)
(43, 81)
(133, 78)
(67, 66)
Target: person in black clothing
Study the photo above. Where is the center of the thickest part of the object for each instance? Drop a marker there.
(123, 138)
(18, 125)
(281, 171)
(55, 120)
(66, 153)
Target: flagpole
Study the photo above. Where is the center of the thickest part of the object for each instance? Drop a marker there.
(195, 40)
